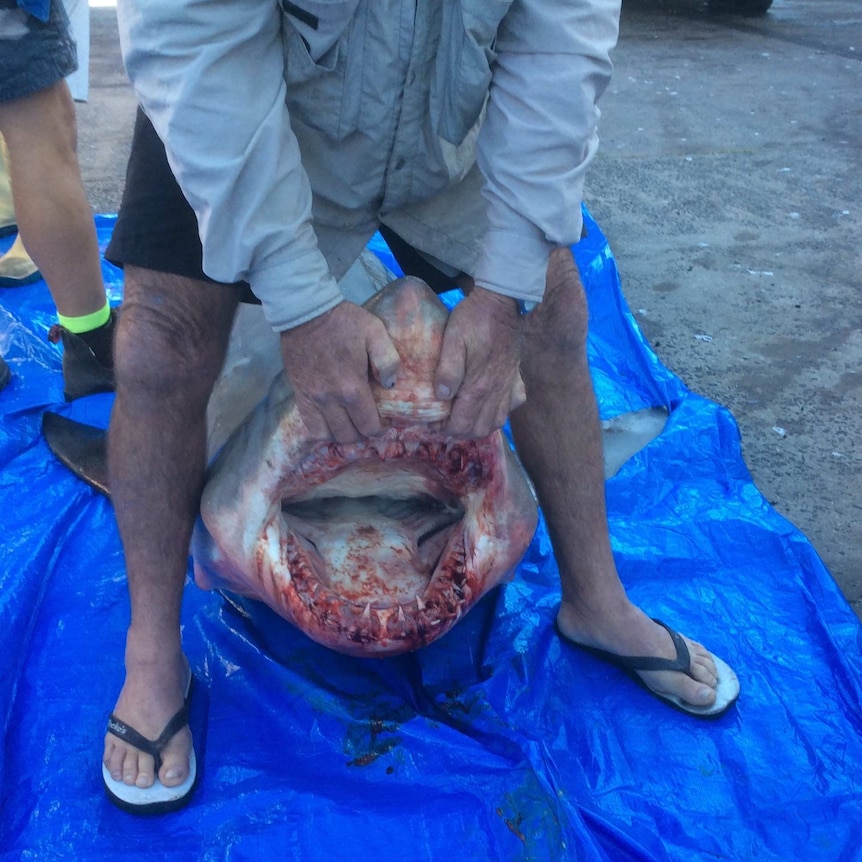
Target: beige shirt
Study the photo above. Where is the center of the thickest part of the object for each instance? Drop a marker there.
(373, 104)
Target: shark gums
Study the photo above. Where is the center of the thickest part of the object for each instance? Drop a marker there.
(374, 548)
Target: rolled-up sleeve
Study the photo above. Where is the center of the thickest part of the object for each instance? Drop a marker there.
(209, 74)
(553, 64)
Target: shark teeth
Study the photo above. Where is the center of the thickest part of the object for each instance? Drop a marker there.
(312, 605)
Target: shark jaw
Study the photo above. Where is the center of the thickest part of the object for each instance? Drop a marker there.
(380, 547)
(374, 548)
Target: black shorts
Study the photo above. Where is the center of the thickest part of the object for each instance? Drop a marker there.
(156, 228)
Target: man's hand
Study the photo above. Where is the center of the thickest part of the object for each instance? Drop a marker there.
(478, 365)
(328, 362)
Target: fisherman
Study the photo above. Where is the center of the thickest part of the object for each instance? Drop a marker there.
(272, 142)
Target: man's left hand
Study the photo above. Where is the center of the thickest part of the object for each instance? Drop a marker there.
(478, 367)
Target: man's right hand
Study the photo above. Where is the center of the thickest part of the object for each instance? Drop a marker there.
(329, 361)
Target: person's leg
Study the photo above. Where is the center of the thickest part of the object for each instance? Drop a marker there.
(56, 224)
(37, 117)
(8, 225)
(51, 207)
(170, 345)
(558, 438)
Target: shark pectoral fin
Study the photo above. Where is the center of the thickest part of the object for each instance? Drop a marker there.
(625, 435)
(82, 448)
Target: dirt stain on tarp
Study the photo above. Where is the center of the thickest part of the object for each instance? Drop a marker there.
(371, 739)
(514, 825)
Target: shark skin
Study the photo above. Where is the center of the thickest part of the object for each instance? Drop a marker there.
(375, 548)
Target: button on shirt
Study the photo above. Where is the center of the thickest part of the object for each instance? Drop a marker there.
(373, 104)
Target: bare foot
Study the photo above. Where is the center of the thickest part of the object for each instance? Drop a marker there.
(153, 693)
(629, 631)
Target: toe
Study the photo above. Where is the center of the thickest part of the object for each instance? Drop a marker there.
(137, 768)
(695, 692)
(175, 760)
(676, 684)
(702, 663)
(699, 689)
(700, 655)
(705, 673)
(130, 767)
(113, 760)
(145, 771)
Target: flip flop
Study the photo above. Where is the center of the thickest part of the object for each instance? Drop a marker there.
(156, 799)
(727, 689)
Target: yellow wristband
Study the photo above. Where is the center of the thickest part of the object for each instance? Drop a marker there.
(87, 322)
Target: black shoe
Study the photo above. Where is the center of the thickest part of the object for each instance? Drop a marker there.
(5, 373)
(83, 372)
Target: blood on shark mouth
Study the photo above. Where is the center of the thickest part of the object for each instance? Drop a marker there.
(372, 553)
(374, 548)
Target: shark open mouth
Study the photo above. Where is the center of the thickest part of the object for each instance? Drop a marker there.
(372, 550)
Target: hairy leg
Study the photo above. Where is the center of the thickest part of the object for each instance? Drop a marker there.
(558, 437)
(170, 346)
(51, 207)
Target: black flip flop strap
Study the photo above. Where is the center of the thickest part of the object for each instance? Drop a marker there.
(153, 747)
(681, 663)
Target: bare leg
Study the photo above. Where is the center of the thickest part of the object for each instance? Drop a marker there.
(51, 207)
(170, 346)
(558, 437)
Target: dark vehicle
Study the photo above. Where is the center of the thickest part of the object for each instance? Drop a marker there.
(740, 7)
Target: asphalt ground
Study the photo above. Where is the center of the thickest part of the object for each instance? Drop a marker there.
(729, 184)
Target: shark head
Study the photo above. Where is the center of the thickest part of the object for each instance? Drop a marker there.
(374, 548)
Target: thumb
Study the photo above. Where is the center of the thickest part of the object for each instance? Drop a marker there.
(383, 357)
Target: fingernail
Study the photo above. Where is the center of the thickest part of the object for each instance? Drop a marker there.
(443, 392)
(389, 383)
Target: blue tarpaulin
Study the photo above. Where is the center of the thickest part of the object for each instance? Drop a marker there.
(497, 742)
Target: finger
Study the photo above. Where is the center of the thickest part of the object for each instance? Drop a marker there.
(519, 393)
(383, 357)
(341, 427)
(471, 416)
(451, 368)
(363, 415)
(313, 419)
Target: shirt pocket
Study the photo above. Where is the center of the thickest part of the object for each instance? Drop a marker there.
(322, 61)
(462, 73)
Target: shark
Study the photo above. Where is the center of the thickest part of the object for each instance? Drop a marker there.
(374, 548)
